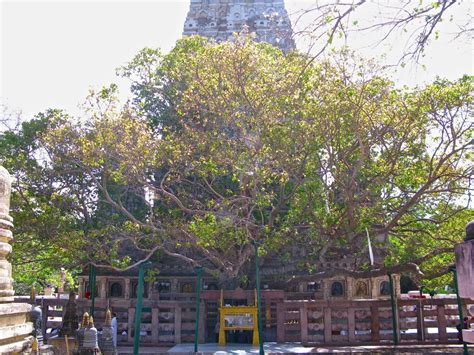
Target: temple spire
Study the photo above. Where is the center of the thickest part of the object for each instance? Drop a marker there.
(219, 19)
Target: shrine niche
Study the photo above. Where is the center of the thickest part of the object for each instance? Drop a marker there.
(337, 289)
(187, 287)
(361, 289)
(162, 286)
(134, 289)
(384, 288)
(313, 287)
(116, 290)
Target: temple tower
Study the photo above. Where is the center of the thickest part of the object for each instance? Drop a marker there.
(219, 19)
(15, 327)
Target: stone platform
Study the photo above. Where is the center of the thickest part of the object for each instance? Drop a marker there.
(298, 348)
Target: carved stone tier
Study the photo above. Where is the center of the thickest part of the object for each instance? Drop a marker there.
(15, 325)
(267, 19)
(15, 328)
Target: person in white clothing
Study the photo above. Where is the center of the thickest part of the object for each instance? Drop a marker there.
(114, 329)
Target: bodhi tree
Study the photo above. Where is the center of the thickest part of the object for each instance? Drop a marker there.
(47, 228)
(415, 24)
(234, 143)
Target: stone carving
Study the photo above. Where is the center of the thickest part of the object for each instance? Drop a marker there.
(107, 344)
(5, 191)
(87, 337)
(15, 327)
(267, 20)
(37, 319)
(362, 290)
(317, 314)
(70, 321)
(6, 288)
(80, 332)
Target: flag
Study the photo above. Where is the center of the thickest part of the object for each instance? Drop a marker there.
(371, 253)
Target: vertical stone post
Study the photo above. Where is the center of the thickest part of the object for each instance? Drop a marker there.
(102, 287)
(15, 328)
(6, 224)
(127, 289)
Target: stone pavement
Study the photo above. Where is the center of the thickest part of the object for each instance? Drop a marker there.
(295, 348)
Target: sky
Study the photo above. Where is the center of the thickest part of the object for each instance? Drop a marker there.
(52, 52)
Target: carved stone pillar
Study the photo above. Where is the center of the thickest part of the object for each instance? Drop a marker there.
(82, 284)
(6, 223)
(15, 328)
(174, 285)
(127, 288)
(102, 288)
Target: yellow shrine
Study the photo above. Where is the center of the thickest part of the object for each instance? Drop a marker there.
(238, 318)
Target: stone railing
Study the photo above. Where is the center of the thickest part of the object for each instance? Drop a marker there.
(310, 322)
(367, 321)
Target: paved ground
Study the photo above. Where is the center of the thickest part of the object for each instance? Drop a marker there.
(295, 348)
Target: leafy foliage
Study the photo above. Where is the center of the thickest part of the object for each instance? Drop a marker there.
(228, 144)
(46, 235)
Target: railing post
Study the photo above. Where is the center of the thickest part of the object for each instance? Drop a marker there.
(374, 314)
(441, 316)
(280, 316)
(44, 308)
(131, 318)
(202, 323)
(304, 322)
(154, 325)
(420, 321)
(177, 325)
(198, 307)
(327, 325)
(351, 323)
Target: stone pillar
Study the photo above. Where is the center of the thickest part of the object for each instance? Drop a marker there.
(63, 281)
(374, 290)
(15, 328)
(350, 284)
(174, 285)
(102, 287)
(465, 263)
(6, 223)
(127, 288)
(82, 291)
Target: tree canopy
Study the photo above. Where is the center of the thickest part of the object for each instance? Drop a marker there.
(228, 144)
(234, 143)
(414, 23)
